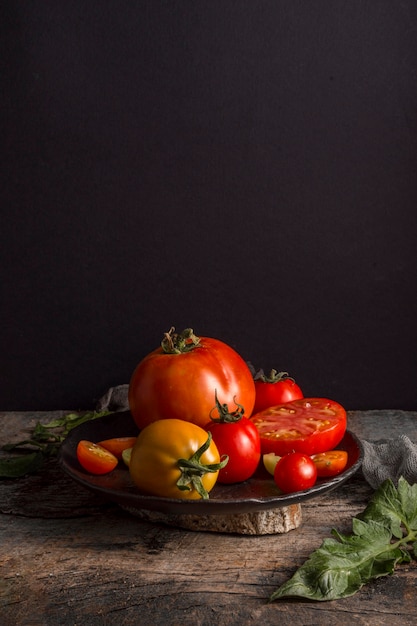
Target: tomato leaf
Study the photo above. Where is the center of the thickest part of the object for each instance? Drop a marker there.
(46, 438)
(380, 540)
(18, 466)
(386, 504)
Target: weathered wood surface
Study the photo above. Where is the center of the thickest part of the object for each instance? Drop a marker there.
(68, 558)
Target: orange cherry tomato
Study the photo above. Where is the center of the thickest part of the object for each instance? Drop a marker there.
(330, 463)
(94, 458)
(117, 445)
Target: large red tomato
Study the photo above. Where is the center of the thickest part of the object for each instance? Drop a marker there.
(308, 425)
(179, 380)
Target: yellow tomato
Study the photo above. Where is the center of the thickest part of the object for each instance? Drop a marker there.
(175, 459)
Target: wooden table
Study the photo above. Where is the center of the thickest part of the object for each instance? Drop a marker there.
(68, 558)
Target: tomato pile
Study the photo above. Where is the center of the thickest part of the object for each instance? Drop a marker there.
(204, 417)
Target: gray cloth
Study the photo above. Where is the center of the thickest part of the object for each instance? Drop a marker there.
(115, 399)
(390, 459)
(382, 460)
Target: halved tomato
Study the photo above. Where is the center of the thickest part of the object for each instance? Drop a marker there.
(330, 463)
(94, 458)
(117, 445)
(308, 425)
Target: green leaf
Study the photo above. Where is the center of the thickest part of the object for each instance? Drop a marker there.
(379, 541)
(408, 499)
(73, 420)
(44, 434)
(44, 438)
(18, 466)
(8, 447)
(339, 568)
(385, 504)
(324, 576)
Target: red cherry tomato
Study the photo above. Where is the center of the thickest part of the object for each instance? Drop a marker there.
(330, 463)
(277, 388)
(117, 445)
(238, 438)
(178, 380)
(94, 458)
(308, 425)
(295, 472)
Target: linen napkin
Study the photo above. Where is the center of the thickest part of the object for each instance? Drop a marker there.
(390, 459)
(384, 459)
(115, 399)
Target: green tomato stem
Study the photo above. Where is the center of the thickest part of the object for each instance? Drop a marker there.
(273, 377)
(192, 470)
(226, 416)
(179, 343)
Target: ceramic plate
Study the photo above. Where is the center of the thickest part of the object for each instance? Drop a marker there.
(257, 494)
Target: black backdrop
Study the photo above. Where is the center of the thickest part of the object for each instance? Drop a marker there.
(245, 167)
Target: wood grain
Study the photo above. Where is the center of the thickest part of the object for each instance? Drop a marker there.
(68, 558)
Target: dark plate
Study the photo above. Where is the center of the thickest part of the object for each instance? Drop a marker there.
(257, 494)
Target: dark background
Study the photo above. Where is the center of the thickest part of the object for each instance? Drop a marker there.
(247, 168)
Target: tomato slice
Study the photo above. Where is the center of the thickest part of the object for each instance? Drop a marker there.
(94, 458)
(308, 425)
(330, 463)
(117, 445)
